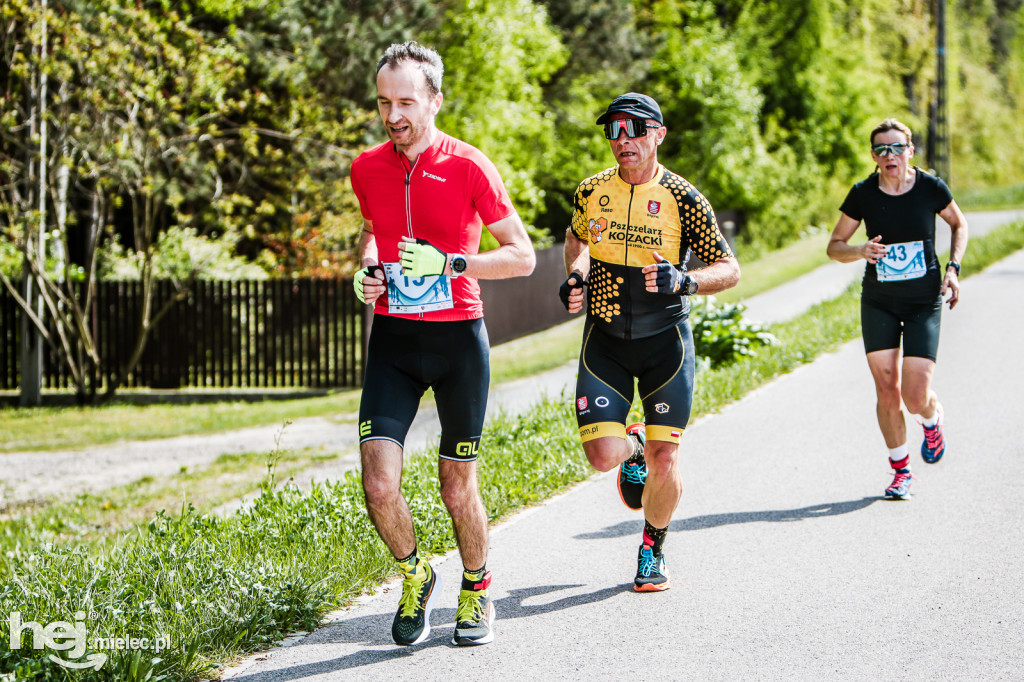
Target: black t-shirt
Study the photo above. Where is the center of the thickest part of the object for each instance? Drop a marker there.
(901, 219)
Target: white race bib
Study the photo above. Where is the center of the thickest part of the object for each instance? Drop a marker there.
(407, 295)
(902, 261)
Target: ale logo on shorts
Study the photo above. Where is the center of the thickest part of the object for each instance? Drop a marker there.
(467, 448)
(601, 401)
(653, 207)
(581, 403)
(364, 428)
(661, 408)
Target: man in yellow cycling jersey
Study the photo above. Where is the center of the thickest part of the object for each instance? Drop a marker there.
(633, 228)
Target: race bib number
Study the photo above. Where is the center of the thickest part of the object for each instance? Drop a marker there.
(407, 295)
(902, 261)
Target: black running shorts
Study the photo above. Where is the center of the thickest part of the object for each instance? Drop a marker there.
(884, 322)
(663, 367)
(405, 357)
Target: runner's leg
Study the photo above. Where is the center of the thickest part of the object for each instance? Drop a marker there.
(885, 370)
(382, 485)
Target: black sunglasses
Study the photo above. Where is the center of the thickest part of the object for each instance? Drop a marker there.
(884, 150)
(635, 127)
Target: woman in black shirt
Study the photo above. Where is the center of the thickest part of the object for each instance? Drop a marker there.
(903, 288)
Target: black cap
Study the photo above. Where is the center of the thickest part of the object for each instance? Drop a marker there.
(633, 103)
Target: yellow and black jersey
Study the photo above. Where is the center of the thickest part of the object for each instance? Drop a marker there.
(624, 225)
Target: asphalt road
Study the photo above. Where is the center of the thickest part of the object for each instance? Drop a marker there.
(786, 560)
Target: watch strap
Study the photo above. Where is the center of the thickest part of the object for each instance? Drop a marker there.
(953, 264)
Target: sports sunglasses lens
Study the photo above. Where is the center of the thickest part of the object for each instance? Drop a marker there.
(634, 128)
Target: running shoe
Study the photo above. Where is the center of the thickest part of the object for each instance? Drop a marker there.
(633, 472)
(474, 619)
(420, 591)
(933, 447)
(900, 487)
(651, 573)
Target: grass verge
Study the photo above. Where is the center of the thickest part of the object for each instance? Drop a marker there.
(217, 587)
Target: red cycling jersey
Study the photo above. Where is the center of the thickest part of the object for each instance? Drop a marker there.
(446, 198)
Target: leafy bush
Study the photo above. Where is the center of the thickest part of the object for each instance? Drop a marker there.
(179, 254)
(720, 335)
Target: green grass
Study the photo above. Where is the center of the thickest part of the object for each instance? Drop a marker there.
(223, 586)
(991, 198)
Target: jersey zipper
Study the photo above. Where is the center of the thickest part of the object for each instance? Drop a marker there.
(410, 167)
(629, 270)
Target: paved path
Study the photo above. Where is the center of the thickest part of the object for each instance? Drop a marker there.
(786, 561)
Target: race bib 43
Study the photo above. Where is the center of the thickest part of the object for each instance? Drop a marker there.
(902, 261)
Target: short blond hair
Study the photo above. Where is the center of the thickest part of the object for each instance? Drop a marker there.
(892, 124)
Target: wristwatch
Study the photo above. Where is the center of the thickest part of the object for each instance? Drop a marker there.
(691, 285)
(953, 264)
(458, 264)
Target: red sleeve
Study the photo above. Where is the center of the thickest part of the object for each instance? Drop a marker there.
(357, 189)
(490, 198)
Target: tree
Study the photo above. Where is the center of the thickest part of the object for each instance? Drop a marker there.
(135, 111)
(496, 103)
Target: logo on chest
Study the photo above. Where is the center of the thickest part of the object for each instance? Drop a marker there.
(653, 207)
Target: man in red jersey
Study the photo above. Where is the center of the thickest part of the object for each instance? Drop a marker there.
(425, 197)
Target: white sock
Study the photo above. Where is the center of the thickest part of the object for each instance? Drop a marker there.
(931, 422)
(899, 453)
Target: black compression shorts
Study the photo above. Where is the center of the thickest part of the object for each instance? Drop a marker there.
(884, 322)
(663, 366)
(405, 357)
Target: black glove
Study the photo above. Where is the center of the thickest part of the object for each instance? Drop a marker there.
(573, 281)
(669, 279)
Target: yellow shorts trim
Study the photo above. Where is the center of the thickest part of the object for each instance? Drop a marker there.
(602, 430)
(669, 434)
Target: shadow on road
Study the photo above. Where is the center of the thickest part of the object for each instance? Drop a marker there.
(375, 630)
(716, 520)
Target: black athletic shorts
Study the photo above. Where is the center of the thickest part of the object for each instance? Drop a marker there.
(405, 357)
(663, 366)
(883, 322)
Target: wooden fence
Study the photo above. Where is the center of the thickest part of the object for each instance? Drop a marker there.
(300, 333)
(239, 334)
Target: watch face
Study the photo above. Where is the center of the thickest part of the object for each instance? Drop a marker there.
(458, 264)
(691, 288)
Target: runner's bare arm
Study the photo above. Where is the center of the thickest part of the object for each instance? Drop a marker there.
(514, 256)
(577, 254)
(373, 288)
(721, 275)
(954, 217)
(840, 249)
(367, 245)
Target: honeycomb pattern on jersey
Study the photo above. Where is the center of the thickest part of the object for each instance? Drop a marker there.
(580, 222)
(604, 292)
(694, 211)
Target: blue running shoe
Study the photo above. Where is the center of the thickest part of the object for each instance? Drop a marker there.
(651, 573)
(633, 472)
(900, 487)
(933, 447)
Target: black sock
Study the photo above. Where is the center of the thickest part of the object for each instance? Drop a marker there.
(654, 537)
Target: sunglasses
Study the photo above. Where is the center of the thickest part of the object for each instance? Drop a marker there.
(634, 127)
(884, 150)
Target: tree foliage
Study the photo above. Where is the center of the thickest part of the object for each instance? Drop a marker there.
(235, 121)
